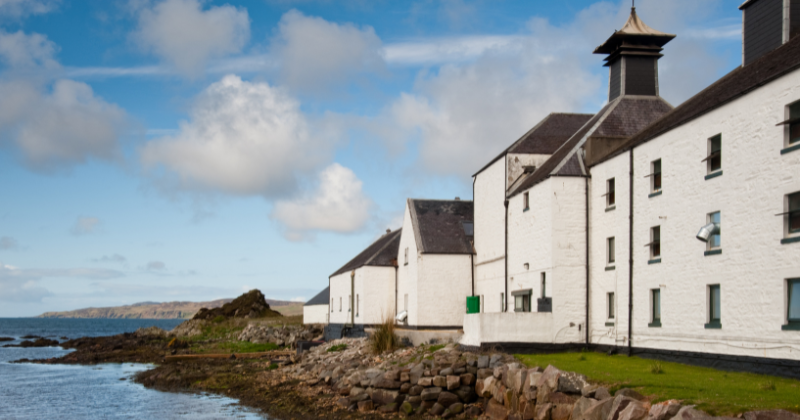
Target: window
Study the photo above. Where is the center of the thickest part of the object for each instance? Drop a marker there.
(610, 305)
(405, 261)
(793, 215)
(544, 285)
(794, 123)
(715, 240)
(469, 228)
(611, 198)
(525, 203)
(358, 303)
(655, 243)
(793, 305)
(331, 305)
(610, 252)
(655, 308)
(714, 157)
(340, 304)
(655, 183)
(714, 307)
(522, 300)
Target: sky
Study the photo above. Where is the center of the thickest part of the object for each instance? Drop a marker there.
(162, 150)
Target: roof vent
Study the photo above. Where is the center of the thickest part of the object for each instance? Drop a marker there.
(388, 230)
(458, 198)
(528, 169)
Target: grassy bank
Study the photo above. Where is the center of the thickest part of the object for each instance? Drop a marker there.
(714, 391)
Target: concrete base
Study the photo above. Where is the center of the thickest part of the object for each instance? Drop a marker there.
(417, 337)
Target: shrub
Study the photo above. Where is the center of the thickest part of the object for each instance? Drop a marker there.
(219, 318)
(384, 337)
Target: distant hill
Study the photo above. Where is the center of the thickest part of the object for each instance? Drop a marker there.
(165, 310)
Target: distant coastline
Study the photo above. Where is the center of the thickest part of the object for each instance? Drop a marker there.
(163, 310)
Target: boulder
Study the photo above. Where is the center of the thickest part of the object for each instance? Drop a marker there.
(581, 406)
(425, 382)
(384, 396)
(636, 410)
(392, 375)
(771, 415)
(415, 390)
(415, 401)
(499, 371)
(446, 371)
(456, 408)
(447, 399)
(440, 381)
(416, 373)
(571, 382)
(466, 394)
(431, 394)
(343, 402)
(543, 394)
(561, 411)
(542, 411)
(598, 411)
(486, 387)
(384, 383)
(437, 409)
(389, 408)
(405, 377)
(406, 408)
(517, 379)
(689, 412)
(496, 411)
(467, 379)
(453, 382)
(664, 410)
(366, 405)
(472, 411)
(485, 373)
(602, 394)
(499, 393)
(549, 378)
(627, 392)
(495, 359)
(483, 362)
(405, 387)
(358, 398)
(621, 402)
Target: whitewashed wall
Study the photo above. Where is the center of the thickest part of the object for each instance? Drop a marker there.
(375, 290)
(754, 265)
(508, 327)
(340, 289)
(606, 222)
(489, 219)
(517, 161)
(551, 238)
(315, 314)
(445, 281)
(407, 273)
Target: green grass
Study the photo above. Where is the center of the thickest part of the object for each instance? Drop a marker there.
(247, 347)
(338, 347)
(433, 349)
(714, 391)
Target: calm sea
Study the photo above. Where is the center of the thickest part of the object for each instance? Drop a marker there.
(31, 391)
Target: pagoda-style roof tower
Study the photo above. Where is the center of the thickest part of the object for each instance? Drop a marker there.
(633, 54)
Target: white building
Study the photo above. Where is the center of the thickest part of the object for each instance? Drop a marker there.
(362, 292)
(434, 275)
(729, 155)
(315, 311)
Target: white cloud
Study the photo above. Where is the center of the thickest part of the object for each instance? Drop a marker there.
(156, 266)
(8, 243)
(243, 138)
(20, 8)
(113, 258)
(85, 226)
(314, 53)
(338, 204)
(52, 124)
(184, 35)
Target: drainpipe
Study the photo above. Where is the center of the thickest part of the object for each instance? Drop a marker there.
(505, 277)
(472, 263)
(630, 260)
(352, 298)
(471, 256)
(586, 188)
(396, 268)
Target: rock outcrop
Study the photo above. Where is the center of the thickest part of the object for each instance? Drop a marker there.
(249, 305)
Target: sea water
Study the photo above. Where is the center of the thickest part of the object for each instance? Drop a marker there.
(104, 391)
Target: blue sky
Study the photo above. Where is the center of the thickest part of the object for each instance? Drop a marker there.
(192, 150)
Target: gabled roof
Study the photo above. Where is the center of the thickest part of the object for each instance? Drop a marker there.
(546, 136)
(322, 298)
(439, 225)
(735, 84)
(620, 118)
(382, 253)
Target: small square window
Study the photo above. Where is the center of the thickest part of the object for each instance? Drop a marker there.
(656, 178)
(715, 240)
(793, 304)
(610, 305)
(714, 158)
(611, 198)
(655, 306)
(794, 126)
(522, 301)
(525, 203)
(655, 242)
(714, 307)
(611, 251)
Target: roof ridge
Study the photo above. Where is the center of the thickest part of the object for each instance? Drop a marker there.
(388, 242)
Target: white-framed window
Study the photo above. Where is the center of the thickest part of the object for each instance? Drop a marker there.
(522, 301)
(792, 305)
(655, 179)
(610, 303)
(714, 307)
(791, 215)
(715, 240)
(525, 202)
(611, 256)
(405, 260)
(792, 125)
(611, 195)
(655, 243)
(714, 158)
(655, 308)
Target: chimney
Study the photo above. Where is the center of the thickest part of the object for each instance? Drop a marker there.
(388, 231)
(633, 54)
(766, 25)
(458, 198)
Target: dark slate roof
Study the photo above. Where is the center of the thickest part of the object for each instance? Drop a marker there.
(735, 84)
(382, 252)
(322, 298)
(546, 136)
(438, 225)
(622, 117)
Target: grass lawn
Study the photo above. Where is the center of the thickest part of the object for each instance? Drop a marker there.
(714, 391)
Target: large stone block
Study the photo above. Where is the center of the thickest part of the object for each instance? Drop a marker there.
(581, 406)
(627, 392)
(425, 382)
(620, 403)
(549, 378)
(496, 411)
(466, 394)
(689, 413)
(366, 405)
(636, 410)
(437, 409)
(666, 410)
(571, 382)
(440, 381)
(467, 379)
(543, 411)
(383, 382)
(384, 396)
(431, 394)
(485, 373)
(447, 399)
(499, 393)
(598, 411)
(483, 362)
(415, 390)
(453, 382)
(416, 373)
